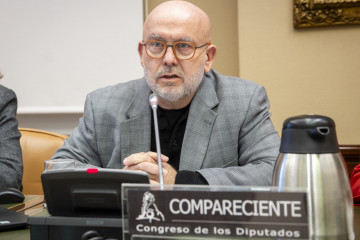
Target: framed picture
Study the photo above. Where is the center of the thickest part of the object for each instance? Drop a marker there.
(319, 13)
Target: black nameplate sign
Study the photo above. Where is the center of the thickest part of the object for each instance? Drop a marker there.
(219, 214)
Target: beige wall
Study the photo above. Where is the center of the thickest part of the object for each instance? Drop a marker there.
(304, 71)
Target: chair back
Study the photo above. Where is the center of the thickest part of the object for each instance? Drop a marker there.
(37, 146)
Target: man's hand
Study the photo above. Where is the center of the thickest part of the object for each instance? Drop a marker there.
(171, 173)
(147, 162)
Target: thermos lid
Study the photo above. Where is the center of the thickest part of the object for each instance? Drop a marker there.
(309, 134)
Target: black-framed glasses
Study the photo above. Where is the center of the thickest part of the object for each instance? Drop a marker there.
(182, 50)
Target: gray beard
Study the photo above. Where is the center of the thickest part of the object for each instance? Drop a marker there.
(171, 93)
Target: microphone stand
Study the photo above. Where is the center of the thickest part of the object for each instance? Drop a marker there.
(153, 102)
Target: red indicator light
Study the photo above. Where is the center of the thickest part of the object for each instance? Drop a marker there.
(92, 170)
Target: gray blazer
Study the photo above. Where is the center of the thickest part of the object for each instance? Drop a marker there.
(229, 137)
(11, 165)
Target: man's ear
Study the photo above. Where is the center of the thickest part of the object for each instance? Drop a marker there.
(210, 56)
(140, 51)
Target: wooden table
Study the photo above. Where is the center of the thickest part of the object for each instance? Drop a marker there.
(29, 206)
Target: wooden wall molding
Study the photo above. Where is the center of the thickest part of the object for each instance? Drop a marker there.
(351, 155)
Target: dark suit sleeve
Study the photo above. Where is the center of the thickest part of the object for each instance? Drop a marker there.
(189, 177)
(11, 165)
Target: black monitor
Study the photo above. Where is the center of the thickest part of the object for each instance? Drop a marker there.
(87, 192)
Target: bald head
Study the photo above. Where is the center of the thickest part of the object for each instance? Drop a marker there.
(181, 26)
(178, 15)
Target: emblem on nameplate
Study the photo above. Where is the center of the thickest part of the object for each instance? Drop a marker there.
(149, 210)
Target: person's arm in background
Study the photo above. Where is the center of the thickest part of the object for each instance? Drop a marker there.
(11, 164)
(355, 184)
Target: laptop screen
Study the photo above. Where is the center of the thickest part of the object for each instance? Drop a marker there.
(10, 219)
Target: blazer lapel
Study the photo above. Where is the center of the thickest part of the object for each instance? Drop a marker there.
(199, 125)
(135, 132)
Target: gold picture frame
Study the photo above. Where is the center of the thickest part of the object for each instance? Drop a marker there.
(319, 13)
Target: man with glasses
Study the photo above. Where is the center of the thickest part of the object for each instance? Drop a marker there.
(214, 129)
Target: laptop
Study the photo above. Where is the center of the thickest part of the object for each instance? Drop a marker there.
(10, 219)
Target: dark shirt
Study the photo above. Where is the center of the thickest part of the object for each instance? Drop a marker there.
(172, 125)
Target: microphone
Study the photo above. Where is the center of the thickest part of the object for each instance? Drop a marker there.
(153, 100)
